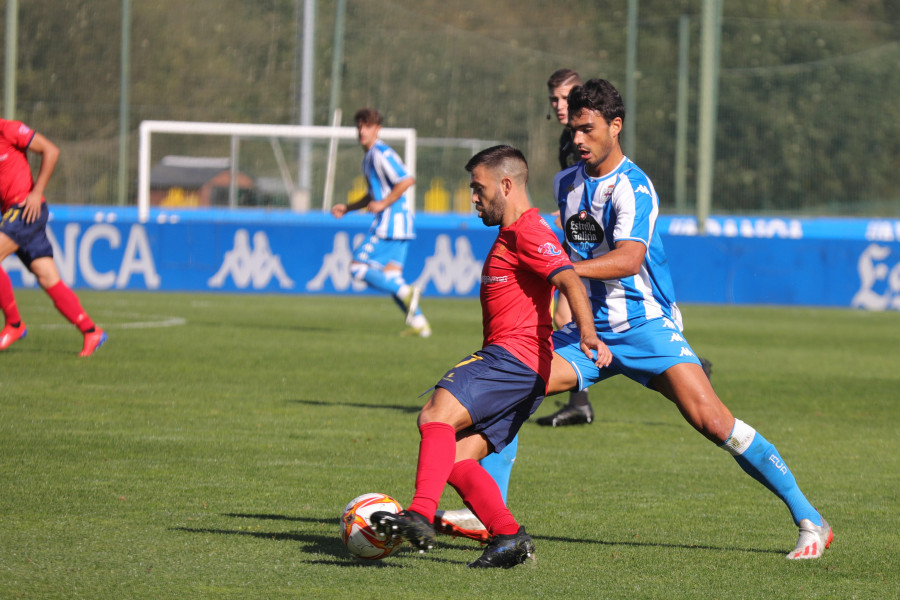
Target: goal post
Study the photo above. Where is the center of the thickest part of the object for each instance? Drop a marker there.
(237, 131)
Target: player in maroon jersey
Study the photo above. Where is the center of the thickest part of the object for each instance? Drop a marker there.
(480, 404)
(23, 230)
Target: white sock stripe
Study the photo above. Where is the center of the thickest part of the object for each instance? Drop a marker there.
(740, 439)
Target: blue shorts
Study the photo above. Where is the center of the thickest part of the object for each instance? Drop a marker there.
(639, 353)
(378, 253)
(31, 238)
(499, 391)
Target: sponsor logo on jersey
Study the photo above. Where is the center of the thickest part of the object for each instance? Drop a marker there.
(583, 232)
(642, 189)
(494, 279)
(549, 249)
(676, 338)
(686, 352)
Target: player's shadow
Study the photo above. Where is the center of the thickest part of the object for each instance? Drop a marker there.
(401, 407)
(328, 544)
(566, 540)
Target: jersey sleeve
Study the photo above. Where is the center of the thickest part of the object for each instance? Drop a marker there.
(540, 251)
(635, 211)
(17, 134)
(392, 167)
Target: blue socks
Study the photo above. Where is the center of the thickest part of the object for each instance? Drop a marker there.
(499, 465)
(759, 459)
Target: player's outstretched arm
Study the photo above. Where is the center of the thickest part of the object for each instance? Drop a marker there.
(572, 288)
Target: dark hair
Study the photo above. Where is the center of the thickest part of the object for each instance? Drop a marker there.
(367, 116)
(508, 160)
(563, 76)
(597, 95)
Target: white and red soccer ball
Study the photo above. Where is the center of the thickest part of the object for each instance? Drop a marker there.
(356, 528)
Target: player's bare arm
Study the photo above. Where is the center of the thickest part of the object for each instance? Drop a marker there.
(376, 206)
(622, 261)
(339, 210)
(31, 208)
(570, 286)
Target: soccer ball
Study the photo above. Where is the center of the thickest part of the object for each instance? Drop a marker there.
(356, 528)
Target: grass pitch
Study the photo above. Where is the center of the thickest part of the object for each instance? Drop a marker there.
(207, 450)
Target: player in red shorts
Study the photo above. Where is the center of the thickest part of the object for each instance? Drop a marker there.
(480, 404)
(23, 230)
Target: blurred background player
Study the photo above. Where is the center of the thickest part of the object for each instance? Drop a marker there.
(578, 410)
(23, 230)
(378, 261)
(609, 207)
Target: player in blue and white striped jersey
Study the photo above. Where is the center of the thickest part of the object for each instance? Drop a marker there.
(378, 260)
(608, 209)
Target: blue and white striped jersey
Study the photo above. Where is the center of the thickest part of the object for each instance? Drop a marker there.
(598, 212)
(383, 169)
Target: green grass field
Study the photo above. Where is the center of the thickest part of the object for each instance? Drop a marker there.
(208, 449)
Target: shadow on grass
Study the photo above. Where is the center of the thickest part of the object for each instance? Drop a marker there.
(400, 407)
(551, 538)
(313, 543)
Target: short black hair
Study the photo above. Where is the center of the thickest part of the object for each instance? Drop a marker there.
(504, 158)
(598, 95)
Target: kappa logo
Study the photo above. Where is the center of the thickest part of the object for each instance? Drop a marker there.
(451, 272)
(248, 265)
(336, 266)
(676, 338)
(642, 189)
(686, 352)
(668, 324)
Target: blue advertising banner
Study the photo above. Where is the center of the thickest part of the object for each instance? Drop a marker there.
(816, 262)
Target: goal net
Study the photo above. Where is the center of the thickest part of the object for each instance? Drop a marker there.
(196, 164)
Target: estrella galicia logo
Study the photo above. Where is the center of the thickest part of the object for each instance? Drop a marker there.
(583, 232)
(549, 249)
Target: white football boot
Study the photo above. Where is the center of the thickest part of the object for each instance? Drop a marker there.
(813, 540)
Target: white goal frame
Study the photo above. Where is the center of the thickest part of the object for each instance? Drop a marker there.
(250, 130)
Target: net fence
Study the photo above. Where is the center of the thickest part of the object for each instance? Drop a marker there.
(808, 119)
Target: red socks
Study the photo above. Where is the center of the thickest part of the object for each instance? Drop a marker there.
(68, 304)
(8, 300)
(480, 493)
(437, 453)
(436, 468)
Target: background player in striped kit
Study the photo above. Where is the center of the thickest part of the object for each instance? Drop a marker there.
(379, 259)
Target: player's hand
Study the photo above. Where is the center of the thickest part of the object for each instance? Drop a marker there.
(339, 210)
(376, 206)
(31, 207)
(590, 344)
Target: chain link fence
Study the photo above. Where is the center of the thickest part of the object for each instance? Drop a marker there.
(808, 117)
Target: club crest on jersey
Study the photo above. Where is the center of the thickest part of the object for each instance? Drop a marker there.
(608, 192)
(549, 249)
